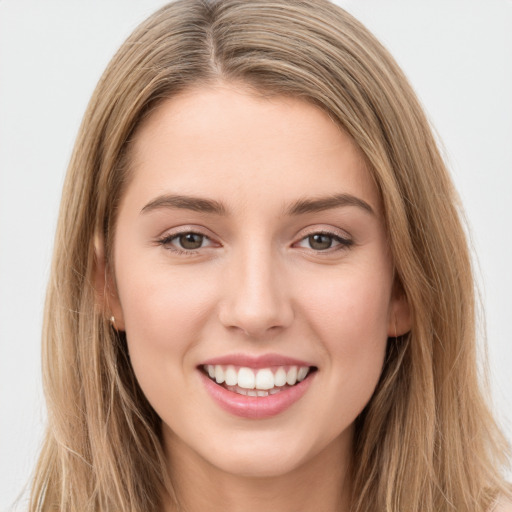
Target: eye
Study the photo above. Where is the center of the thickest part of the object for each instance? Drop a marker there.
(190, 241)
(185, 242)
(323, 241)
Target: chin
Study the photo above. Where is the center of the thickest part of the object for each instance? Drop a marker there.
(268, 454)
(258, 465)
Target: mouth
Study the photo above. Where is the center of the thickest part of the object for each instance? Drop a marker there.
(256, 387)
(257, 382)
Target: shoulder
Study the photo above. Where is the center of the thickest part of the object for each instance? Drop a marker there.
(503, 506)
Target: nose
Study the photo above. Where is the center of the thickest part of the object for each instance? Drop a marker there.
(255, 298)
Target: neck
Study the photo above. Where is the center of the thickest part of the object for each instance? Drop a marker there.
(321, 484)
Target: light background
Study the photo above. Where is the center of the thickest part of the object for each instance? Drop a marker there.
(457, 54)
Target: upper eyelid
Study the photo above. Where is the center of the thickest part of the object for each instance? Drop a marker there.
(173, 236)
(167, 242)
(332, 231)
(343, 241)
(180, 230)
(303, 233)
(326, 233)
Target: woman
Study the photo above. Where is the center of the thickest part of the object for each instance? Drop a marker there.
(261, 281)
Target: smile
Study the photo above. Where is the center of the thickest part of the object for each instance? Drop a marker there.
(256, 382)
(256, 388)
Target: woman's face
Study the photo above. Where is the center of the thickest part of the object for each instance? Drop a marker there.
(250, 245)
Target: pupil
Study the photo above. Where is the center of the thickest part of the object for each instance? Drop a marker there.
(191, 241)
(320, 242)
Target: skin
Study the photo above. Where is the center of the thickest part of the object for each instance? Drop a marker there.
(256, 285)
(503, 506)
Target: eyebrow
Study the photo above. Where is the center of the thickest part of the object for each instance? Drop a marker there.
(196, 204)
(319, 204)
(299, 207)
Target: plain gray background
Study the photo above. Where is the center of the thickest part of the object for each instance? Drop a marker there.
(457, 54)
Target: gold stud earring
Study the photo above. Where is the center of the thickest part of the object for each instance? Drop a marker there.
(113, 322)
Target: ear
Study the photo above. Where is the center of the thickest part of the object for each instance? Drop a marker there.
(107, 298)
(400, 318)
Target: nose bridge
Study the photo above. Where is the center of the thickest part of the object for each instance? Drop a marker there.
(255, 295)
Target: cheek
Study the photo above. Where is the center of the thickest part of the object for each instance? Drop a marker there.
(351, 308)
(164, 313)
(162, 302)
(350, 318)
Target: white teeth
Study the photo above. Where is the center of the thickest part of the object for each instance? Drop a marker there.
(231, 376)
(301, 375)
(219, 374)
(291, 376)
(246, 378)
(280, 377)
(264, 380)
(252, 392)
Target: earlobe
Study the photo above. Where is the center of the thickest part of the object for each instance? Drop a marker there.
(107, 300)
(400, 319)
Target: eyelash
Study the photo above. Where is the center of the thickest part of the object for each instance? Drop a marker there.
(166, 241)
(343, 243)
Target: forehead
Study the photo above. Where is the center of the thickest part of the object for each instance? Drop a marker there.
(225, 142)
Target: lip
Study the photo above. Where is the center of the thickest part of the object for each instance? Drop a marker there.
(256, 362)
(252, 407)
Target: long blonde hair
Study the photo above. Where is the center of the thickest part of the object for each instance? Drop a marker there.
(426, 441)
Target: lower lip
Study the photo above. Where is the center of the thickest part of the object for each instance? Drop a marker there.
(256, 407)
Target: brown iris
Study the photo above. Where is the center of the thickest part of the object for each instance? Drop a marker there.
(191, 241)
(320, 241)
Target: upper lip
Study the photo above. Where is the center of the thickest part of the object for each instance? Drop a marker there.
(251, 361)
